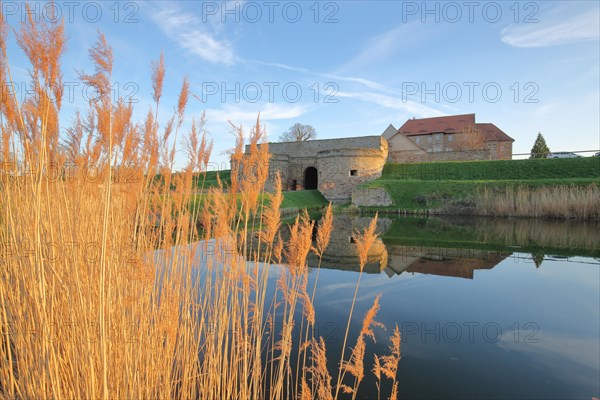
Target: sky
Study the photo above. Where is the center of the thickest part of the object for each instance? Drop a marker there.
(348, 68)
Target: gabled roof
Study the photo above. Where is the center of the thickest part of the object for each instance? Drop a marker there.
(452, 124)
(389, 132)
(447, 124)
(492, 132)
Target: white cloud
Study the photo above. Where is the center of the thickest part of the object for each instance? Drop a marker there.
(410, 107)
(191, 34)
(554, 29)
(269, 111)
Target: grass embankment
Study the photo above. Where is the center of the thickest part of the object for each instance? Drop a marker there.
(211, 179)
(309, 199)
(201, 181)
(566, 188)
(293, 201)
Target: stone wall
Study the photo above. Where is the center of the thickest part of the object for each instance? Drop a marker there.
(371, 197)
(341, 171)
(342, 253)
(342, 164)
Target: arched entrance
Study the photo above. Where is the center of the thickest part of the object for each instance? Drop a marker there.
(311, 178)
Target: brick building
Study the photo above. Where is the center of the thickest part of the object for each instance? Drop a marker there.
(449, 138)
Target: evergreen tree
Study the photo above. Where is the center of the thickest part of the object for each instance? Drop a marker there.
(538, 258)
(540, 148)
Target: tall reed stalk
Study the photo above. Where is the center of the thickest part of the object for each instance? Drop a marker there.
(113, 286)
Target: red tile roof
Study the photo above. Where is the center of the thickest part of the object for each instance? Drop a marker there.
(492, 132)
(451, 124)
(448, 124)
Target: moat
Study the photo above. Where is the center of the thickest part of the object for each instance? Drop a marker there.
(488, 308)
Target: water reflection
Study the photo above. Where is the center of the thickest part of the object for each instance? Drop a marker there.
(562, 237)
(524, 308)
(458, 263)
(456, 247)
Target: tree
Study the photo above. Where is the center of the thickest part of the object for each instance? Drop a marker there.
(471, 138)
(537, 258)
(298, 133)
(540, 148)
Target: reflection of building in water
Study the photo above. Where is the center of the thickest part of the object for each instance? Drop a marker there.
(391, 258)
(341, 252)
(396, 259)
(459, 263)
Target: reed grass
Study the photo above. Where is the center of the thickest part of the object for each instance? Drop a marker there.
(109, 288)
(569, 202)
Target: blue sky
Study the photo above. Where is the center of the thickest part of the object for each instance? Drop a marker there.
(349, 68)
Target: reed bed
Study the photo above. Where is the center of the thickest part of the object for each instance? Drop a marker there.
(565, 201)
(112, 286)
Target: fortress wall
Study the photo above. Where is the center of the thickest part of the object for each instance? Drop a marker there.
(342, 164)
(340, 171)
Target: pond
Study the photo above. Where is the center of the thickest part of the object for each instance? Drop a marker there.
(488, 308)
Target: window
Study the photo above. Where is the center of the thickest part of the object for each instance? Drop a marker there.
(351, 240)
(450, 138)
(353, 172)
(418, 139)
(437, 136)
(429, 138)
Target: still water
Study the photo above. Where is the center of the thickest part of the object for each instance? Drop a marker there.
(487, 308)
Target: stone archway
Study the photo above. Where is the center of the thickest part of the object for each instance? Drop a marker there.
(311, 178)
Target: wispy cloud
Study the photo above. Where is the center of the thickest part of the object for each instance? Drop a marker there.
(388, 43)
(192, 35)
(362, 81)
(410, 107)
(269, 111)
(554, 28)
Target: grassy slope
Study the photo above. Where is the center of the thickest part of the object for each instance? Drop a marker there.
(309, 199)
(211, 178)
(565, 168)
(304, 199)
(434, 185)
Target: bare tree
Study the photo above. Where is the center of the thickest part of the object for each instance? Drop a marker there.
(298, 133)
(470, 138)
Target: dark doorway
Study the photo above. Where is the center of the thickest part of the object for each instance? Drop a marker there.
(311, 178)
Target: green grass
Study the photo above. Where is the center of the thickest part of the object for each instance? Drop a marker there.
(211, 179)
(428, 194)
(439, 185)
(559, 168)
(309, 199)
(298, 200)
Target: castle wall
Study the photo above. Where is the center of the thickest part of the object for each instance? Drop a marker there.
(341, 164)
